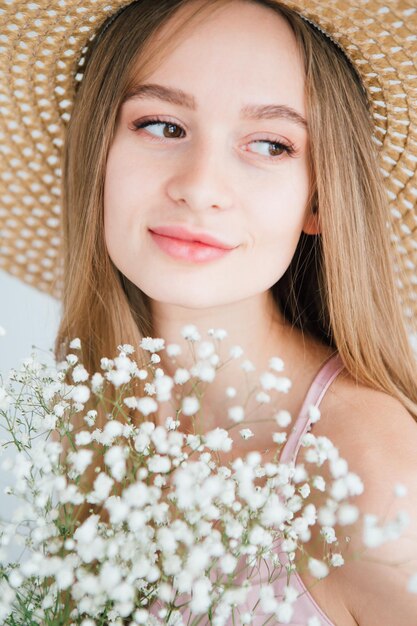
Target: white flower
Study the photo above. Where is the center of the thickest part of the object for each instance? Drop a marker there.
(400, 490)
(279, 437)
(317, 568)
(328, 533)
(236, 413)
(354, 484)
(114, 458)
(310, 514)
(87, 531)
(163, 385)
(80, 393)
(246, 433)
(150, 389)
(152, 344)
(319, 483)
(173, 349)
(75, 344)
(326, 516)
(284, 612)
(283, 384)
(339, 490)
(80, 460)
(112, 429)
(109, 576)
(64, 577)
(118, 509)
(268, 602)
(231, 392)
(181, 376)
(118, 377)
(314, 413)
(159, 464)
(190, 405)
(274, 512)
(90, 418)
(228, 563)
(235, 352)
(147, 405)
(218, 333)
(83, 438)
(79, 374)
(72, 359)
(102, 487)
(337, 560)
(277, 364)
(200, 601)
(314, 621)
(338, 467)
(283, 418)
(247, 366)
(105, 363)
(141, 616)
(304, 490)
(262, 397)
(190, 332)
(155, 358)
(205, 349)
(347, 514)
(268, 381)
(97, 381)
(203, 371)
(130, 402)
(218, 439)
(142, 441)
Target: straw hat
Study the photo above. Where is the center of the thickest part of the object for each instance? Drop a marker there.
(42, 44)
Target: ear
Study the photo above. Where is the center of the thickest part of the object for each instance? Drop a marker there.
(312, 222)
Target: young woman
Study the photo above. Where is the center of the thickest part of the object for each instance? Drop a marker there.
(242, 125)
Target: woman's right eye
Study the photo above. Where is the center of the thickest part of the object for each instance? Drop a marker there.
(162, 125)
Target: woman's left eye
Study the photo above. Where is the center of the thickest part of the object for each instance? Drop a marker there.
(277, 147)
(160, 123)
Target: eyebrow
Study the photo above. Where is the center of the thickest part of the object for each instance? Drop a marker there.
(179, 97)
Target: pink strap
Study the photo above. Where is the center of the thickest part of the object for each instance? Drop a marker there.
(325, 376)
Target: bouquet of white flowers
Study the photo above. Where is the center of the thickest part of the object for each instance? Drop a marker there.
(167, 535)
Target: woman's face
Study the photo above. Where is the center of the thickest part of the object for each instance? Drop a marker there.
(211, 165)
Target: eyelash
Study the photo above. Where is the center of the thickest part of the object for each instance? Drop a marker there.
(290, 150)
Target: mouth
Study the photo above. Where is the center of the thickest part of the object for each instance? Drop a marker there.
(188, 250)
(184, 234)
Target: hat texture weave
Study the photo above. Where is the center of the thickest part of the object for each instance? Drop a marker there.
(42, 45)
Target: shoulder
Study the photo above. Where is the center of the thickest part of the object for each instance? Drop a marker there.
(378, 438)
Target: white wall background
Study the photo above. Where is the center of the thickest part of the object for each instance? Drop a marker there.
(29, 318)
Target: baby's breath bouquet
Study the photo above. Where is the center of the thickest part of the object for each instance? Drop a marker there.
(136, 522)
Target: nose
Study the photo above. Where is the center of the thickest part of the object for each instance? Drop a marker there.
(200, 179)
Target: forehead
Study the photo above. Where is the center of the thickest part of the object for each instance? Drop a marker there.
(245, 48)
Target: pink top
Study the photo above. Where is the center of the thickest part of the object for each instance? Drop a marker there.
(305, 607)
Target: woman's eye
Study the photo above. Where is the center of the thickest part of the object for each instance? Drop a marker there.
(165, 129)
(274, 149)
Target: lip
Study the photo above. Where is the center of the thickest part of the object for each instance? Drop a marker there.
(185, 234)
(186, 250)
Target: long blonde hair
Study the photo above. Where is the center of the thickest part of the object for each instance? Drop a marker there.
(340, 285)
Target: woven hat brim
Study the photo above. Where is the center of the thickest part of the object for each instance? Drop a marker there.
(41, 60)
